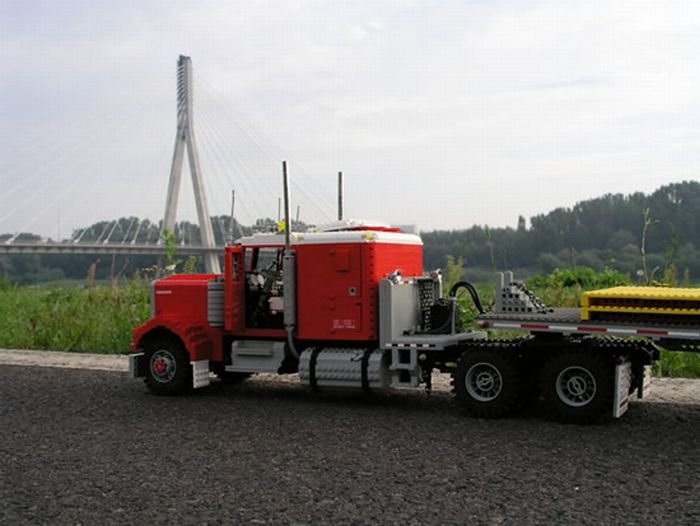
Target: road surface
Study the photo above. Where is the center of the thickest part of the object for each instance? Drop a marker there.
(93, 447)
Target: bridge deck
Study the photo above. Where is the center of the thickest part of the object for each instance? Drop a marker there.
(101, 248)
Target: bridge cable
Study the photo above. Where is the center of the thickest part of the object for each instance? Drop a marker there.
(262, 144)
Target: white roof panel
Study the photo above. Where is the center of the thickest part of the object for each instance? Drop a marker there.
(322, 238)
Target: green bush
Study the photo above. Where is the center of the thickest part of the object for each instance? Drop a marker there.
(72, 319)
(5, 285)
(563, 287)
(678, 365)
(583, 277)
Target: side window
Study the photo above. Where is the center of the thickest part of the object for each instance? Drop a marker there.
(264, 288)
(251, 259)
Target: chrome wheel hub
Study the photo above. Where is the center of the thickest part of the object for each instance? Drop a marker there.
(163, 366)
(576, 386)
(484, 382)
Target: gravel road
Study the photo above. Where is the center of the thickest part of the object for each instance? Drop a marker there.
(92, 447)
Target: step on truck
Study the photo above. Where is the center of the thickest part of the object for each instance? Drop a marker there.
(351, 308)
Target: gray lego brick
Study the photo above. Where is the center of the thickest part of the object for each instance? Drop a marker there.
(555, 316)
(569, 315)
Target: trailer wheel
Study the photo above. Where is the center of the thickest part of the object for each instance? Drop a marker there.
(577, 386)
(487, 383)
(168, 370)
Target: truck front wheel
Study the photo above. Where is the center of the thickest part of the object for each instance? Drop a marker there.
(577, 386)
(168, 370)
(487, 382)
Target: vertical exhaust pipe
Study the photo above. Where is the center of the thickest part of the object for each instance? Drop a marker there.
(229, 241)
(287, 221)
(289, 277)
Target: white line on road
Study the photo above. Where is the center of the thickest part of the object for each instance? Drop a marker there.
(69, 360)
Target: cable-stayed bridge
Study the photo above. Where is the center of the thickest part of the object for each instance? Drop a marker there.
(225, 153)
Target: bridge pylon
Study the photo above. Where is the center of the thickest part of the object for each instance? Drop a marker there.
(185, 137)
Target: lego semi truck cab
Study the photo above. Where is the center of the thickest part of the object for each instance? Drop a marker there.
(335, 283)
(343, 308)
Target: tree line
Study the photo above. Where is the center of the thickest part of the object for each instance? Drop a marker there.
(602, 233)
(609, 232)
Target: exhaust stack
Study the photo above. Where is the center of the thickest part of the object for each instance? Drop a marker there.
(289, 276)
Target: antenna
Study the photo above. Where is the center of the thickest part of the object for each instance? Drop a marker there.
(340, 196)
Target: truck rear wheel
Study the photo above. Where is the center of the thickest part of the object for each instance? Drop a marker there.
(487, 382)
(168, 368)
(577, 386)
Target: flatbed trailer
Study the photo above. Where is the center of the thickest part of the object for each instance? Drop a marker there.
(516, 308)
(568, 322)
(582, 365)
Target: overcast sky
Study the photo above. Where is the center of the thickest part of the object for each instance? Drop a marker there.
(441, 113)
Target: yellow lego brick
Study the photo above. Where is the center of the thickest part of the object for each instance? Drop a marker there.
(644, 310)
(646, 293)
(641, 300)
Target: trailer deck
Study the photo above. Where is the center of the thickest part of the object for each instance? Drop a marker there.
(569, 321)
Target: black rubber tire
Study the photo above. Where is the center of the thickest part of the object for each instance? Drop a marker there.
(577, 386)
(173, 378)
(487, 382)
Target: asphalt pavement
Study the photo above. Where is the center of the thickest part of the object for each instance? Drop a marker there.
(93, 447)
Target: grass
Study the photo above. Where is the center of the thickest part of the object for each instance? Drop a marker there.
(72, 319)
(100, 319)
(678, 365)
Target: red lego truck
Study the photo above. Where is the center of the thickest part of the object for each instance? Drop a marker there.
(352, 308)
